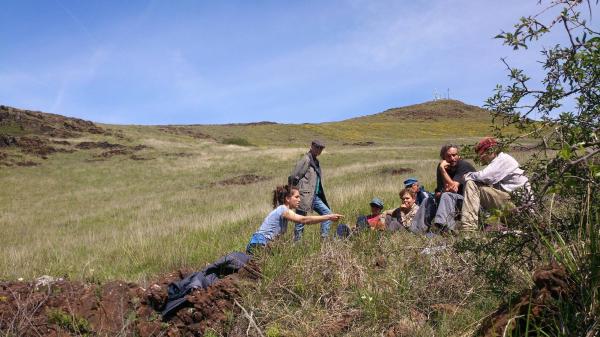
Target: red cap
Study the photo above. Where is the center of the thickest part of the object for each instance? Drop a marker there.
(485, 144)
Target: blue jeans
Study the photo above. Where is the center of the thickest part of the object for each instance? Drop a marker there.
(256, 241)
(321, 209)
(448, 209)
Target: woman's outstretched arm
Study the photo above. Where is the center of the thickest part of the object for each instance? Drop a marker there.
(310, 219)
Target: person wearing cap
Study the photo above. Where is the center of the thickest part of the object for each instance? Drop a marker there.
(308, 177)
(416, 187)
(403, 216)
(491, 187)
(376, 220)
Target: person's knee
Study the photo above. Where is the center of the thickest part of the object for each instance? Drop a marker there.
(446, 197)
(471, 185)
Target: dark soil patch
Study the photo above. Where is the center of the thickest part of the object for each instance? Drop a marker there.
(61, 142)
(36, 146)
(113, 152)
(185, 131)
(397, 171)
(63, 150)
(136, 157)
(99, 145)
(63, 308)
(536, 304)
(6, 140)
(27, 163)
(245, 179)
(140, 147)
(368, 143)
(179, 154)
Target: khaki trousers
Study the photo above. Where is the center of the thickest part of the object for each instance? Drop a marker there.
(476, 195)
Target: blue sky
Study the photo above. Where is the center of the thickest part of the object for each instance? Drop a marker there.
(200, 62)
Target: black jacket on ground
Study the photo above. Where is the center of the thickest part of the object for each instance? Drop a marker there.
(224, 266)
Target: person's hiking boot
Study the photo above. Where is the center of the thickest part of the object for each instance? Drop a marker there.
(438, 229)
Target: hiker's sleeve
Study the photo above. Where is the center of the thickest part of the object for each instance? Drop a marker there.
(497, 170)
(299, 171)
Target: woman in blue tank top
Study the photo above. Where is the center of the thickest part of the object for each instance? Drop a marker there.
(285, 200)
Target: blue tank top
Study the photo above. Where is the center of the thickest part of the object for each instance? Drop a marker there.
(274, 224)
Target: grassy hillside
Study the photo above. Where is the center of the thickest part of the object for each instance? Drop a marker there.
(160, 198)
(438, 119)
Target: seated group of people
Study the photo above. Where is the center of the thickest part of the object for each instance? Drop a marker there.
(460, 193)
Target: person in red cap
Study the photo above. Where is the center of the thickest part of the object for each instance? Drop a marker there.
(491, 187)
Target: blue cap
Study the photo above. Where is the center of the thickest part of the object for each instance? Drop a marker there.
(376, 202)
(410, 181)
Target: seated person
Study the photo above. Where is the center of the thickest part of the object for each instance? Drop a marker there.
(374, 221)
(439, 213)
(285, 200)
(402, 216)
(491, 187)
(416, 187)
(450, 184)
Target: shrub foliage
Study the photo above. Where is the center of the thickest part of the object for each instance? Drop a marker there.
(557, 120)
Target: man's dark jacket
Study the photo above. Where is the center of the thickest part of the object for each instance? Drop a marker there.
(304, 176)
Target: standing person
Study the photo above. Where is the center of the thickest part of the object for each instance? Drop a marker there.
(450, 185)
(285, 200)
(491, 187)
(308, 177)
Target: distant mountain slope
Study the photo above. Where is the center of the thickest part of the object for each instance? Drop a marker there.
(27, 136)
(40, 134)
(433, 110)
(18, 122)
(445, 119)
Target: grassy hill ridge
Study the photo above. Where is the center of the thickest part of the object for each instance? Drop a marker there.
(436, 119)
(27, 136)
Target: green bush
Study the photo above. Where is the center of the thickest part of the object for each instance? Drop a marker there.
(561, 115)
(237, 141)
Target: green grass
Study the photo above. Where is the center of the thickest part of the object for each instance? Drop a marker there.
(94, 220)
(120, 218)
(237, 141)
